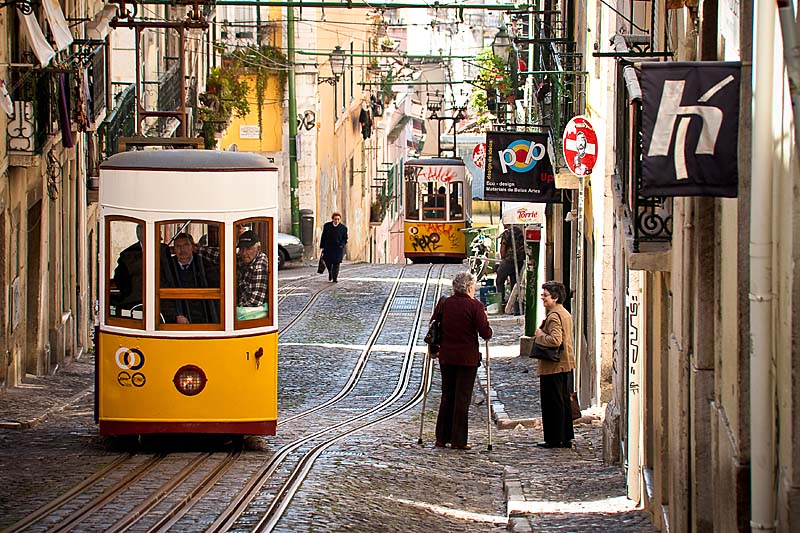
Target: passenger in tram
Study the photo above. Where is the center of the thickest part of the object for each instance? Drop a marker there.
(436, 201)
(332, 243)
(129, 274)
(189, 269)
(463, 321)
(252, 267)
(556, 330)
(456, 211)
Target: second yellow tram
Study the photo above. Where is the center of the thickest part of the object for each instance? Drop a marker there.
(438, 207)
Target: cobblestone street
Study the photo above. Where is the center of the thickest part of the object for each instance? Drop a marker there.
(374, 479)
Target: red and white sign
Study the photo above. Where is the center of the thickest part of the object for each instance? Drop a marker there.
(479, 155)
(580, 146)
(523, 213)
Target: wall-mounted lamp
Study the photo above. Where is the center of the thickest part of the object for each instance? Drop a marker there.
(337, 61)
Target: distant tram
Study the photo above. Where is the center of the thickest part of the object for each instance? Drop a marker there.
(188, 335)
(438, 206)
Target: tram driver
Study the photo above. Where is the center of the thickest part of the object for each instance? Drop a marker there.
(188, 269)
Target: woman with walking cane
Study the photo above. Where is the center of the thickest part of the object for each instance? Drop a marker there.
(463, 320)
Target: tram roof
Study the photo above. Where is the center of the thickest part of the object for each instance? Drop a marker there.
(436, 161)
(187, 160)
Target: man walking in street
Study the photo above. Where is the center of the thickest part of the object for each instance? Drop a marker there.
(333, 241)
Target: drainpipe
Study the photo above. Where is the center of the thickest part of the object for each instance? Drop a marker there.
(294, 184)
(762, 430)
(791, 57)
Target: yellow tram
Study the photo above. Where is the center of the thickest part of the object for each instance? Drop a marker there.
(188, 339)
(437, 200)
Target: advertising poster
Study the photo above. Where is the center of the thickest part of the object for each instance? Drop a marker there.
(519, 168)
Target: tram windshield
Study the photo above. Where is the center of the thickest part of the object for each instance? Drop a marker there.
(189, 272)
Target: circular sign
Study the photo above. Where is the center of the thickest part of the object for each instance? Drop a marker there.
(580, 146)
(479, 155)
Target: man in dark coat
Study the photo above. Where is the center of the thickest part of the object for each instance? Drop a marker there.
(333, 241)
(189, 270)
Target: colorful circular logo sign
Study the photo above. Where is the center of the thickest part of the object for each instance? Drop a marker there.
(521, 155)
(580, 146)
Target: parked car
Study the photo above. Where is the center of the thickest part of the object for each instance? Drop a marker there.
(290, 248)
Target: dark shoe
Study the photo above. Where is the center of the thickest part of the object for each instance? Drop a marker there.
(336, 281)
(544, 444)
(567, 444)
(464, 447)
(440, 444)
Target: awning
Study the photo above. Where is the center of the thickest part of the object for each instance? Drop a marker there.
(523, 213)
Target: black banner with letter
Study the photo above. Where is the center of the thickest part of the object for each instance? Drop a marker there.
(519, 168)
(690, 126)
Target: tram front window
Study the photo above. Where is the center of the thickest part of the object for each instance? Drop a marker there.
(434, 203)
(189, 274)
(412, 201)
(253, 269)
(125, 241)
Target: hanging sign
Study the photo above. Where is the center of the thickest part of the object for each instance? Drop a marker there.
(690, 128)
(519, 168)
(523, 213)
(580, 146)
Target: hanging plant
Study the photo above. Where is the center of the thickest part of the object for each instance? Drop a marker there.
(230, 92)
(493, 77)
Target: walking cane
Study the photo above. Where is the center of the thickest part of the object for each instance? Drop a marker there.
(488, 397)
(426, 368)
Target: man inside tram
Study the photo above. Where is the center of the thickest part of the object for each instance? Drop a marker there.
(189, 269)
(252, 267)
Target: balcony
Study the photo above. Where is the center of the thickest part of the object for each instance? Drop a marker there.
(34, 93)
(121, 122)
(647, 220)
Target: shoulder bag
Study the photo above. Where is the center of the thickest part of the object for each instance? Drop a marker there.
(547, 353)
(434, 336)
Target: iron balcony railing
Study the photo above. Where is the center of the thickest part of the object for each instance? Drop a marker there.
(650, 217)
(121, 122)
(34, 93)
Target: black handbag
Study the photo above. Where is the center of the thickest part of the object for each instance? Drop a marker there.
(321, 266)
(434, 336)
(546, 353)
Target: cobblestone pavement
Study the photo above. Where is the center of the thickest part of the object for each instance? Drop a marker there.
(379, 479)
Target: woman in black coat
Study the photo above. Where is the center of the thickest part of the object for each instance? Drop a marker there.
(333, 241)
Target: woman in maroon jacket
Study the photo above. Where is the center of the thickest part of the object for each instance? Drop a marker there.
(463, 319)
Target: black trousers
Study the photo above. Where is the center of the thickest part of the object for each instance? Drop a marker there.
(333, 271)
(452, 424)
(505, 270)
(556, 412)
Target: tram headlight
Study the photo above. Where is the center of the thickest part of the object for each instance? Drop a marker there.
(190, 380)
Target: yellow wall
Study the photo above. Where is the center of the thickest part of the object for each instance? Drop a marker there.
(240, 129)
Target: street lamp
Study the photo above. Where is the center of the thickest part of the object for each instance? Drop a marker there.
(502, 44)
(337, 60)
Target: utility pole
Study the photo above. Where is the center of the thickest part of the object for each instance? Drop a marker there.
(293, 170)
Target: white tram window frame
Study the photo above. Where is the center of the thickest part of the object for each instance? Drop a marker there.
(168, 229)
(265, 229)
(134, 317)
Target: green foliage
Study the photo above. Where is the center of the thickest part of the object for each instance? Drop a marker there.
(493, 74)
(226, 91)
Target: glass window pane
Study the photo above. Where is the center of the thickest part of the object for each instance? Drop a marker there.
(189, 260)
(456, 195)
(252, 269)
(434, 201)
(126, 283)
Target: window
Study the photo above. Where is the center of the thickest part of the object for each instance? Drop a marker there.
(412, 200)
(434, 196)
(254, 264)
(125, 254)
(456, 200)
(189, 285)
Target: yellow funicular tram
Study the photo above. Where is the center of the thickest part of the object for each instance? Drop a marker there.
(438, 207)
(188, 338)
